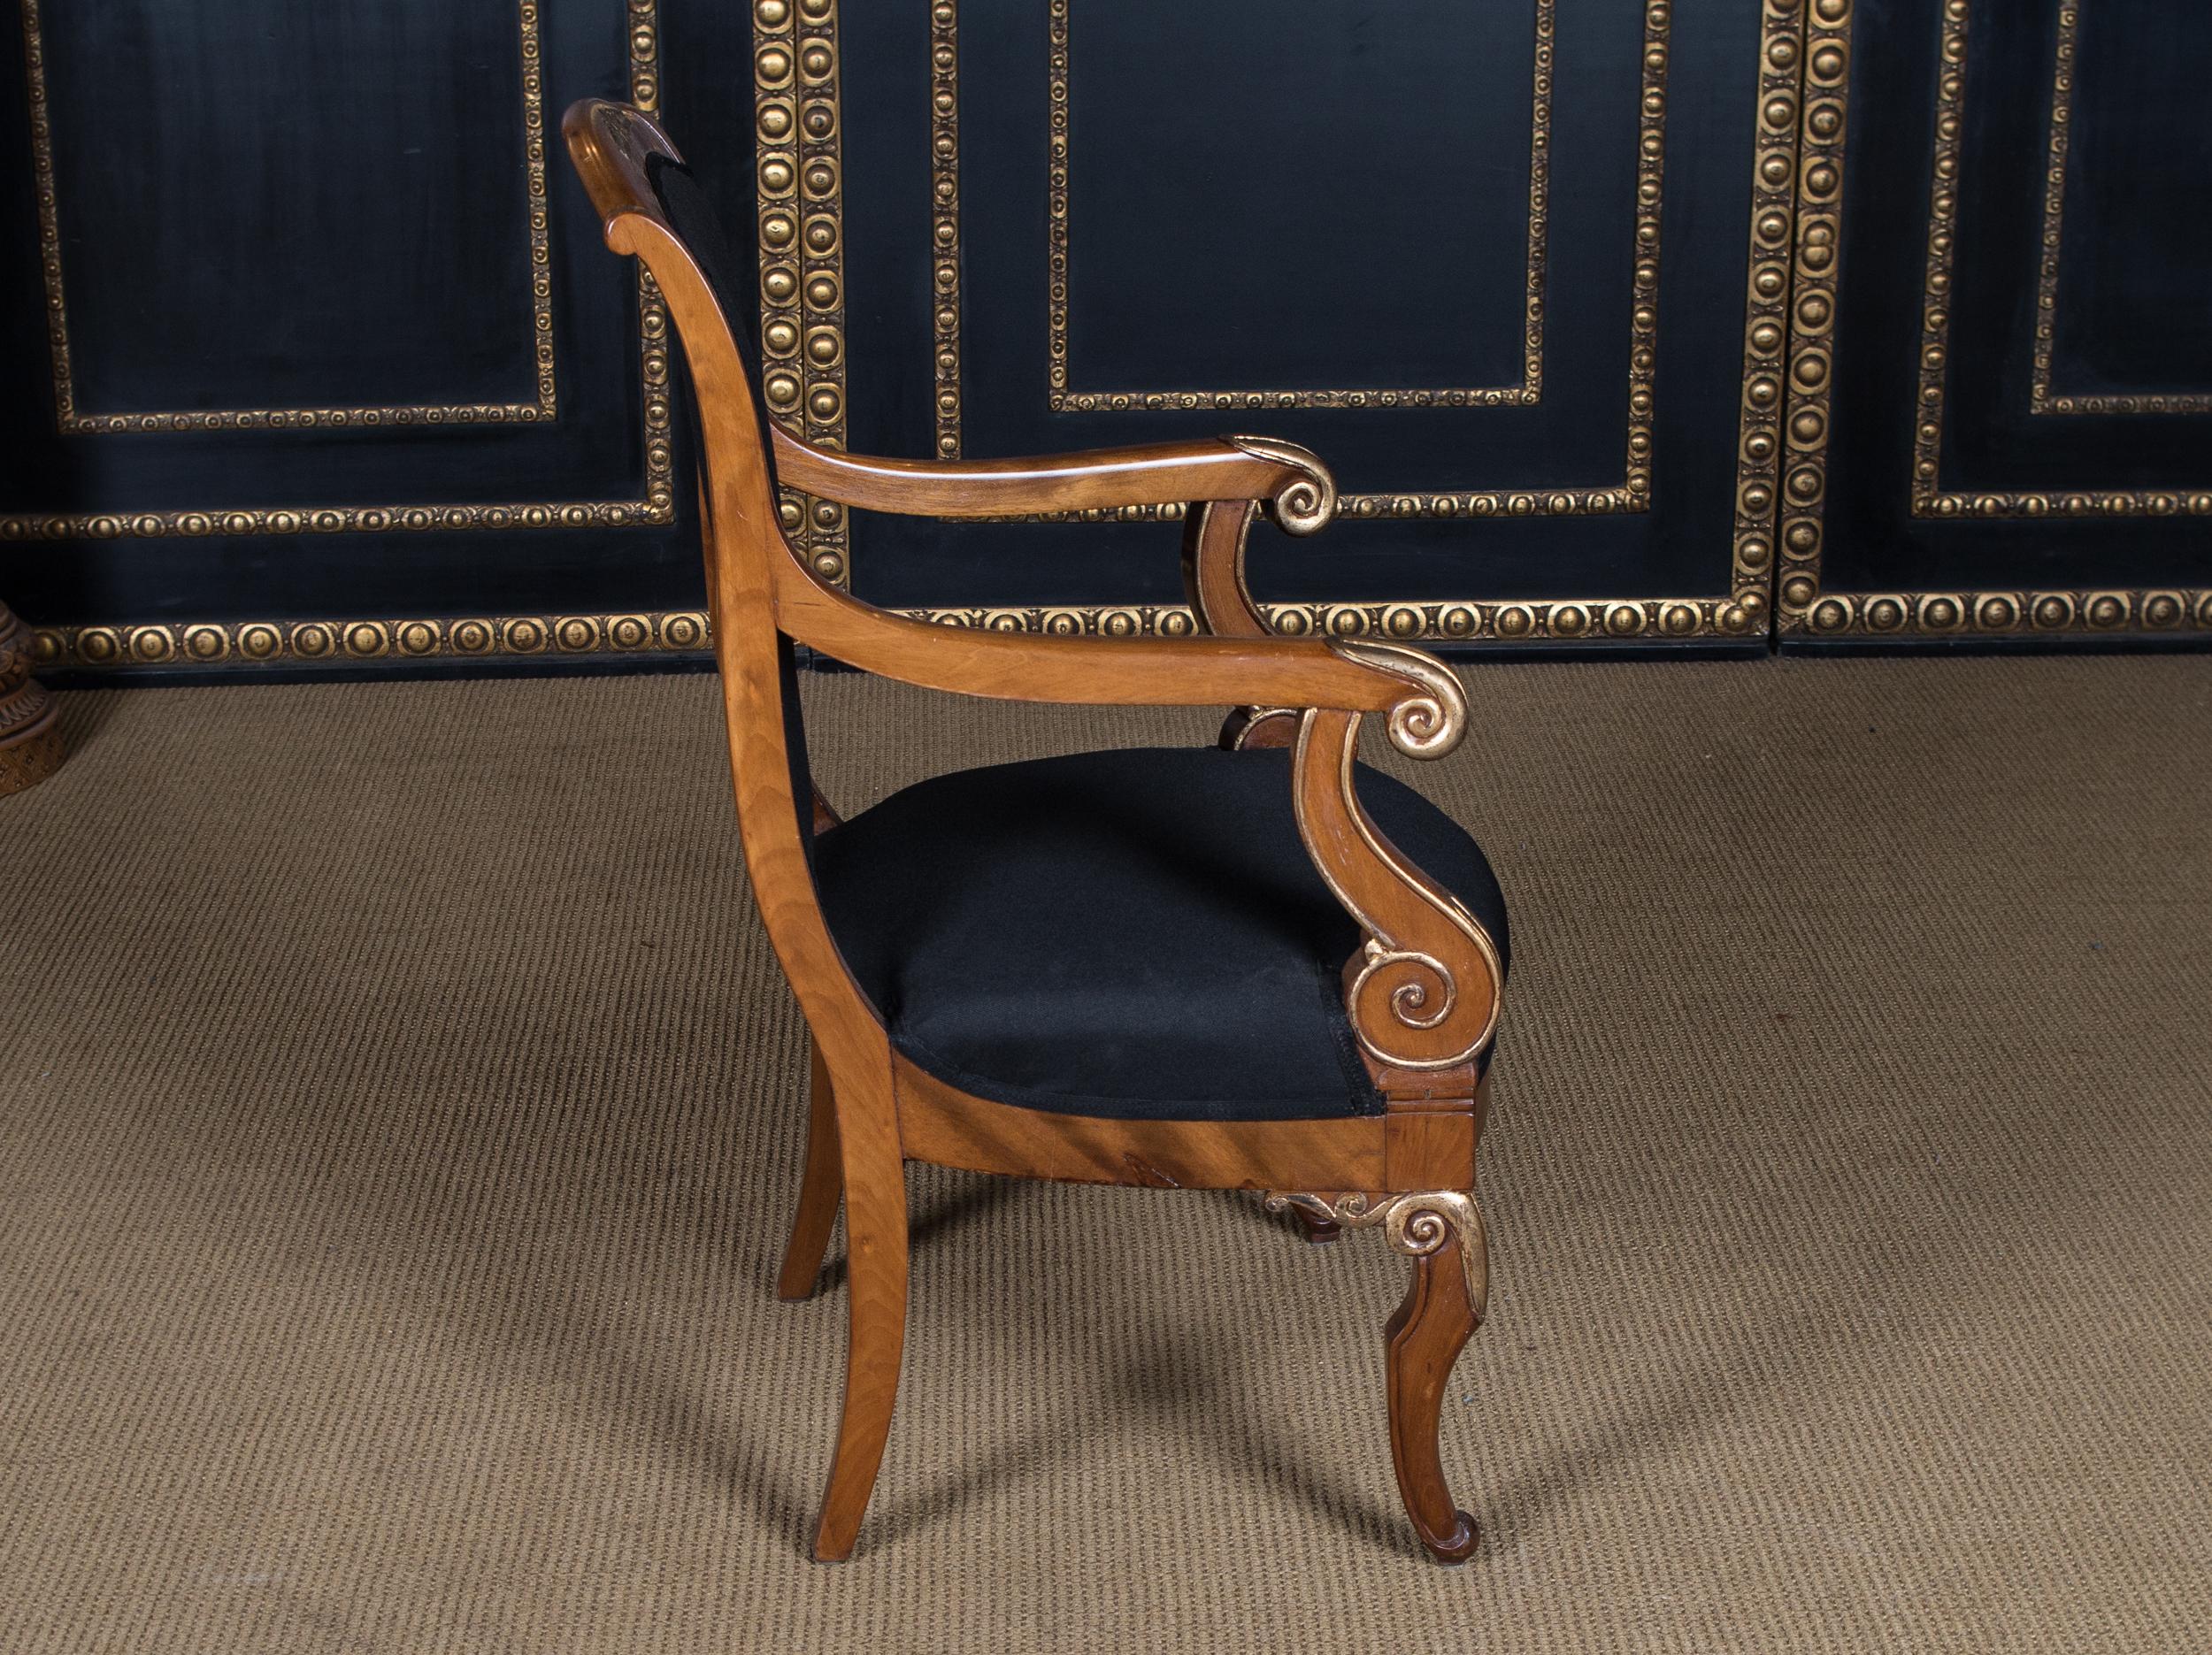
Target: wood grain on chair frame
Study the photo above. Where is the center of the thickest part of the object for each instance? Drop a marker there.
(1422, 992)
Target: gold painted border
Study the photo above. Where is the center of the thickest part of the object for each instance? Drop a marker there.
(1801, 607)
(799, 163)
(70, 422)
(1774, 205)
(1554, 621)
(1929, 499)
(1061, 399)
(944, 193)
(337, 642)
(1450, 620)
(320, 642)
(1633, 492)
(2042, 398)
(656, 506)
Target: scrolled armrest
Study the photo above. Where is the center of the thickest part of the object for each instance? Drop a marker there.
(1294, 484)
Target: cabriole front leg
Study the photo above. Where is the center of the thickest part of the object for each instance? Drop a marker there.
(1442, 1231)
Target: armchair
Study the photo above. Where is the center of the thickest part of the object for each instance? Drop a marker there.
(1299, 985)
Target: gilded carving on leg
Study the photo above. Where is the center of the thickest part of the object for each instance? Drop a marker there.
(1417, 1223)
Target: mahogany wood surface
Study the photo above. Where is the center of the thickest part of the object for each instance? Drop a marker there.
(1422, 995)
(1423, 1340)
(821, 1188)
(1158, 474)
(1214, 538)
(944, 1125)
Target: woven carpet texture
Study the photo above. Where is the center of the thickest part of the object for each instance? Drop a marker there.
(400, 1109)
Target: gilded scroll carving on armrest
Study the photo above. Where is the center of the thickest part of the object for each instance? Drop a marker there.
(1303, 503)
(1424, 990)
(1428, 722)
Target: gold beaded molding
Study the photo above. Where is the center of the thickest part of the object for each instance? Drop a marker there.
(799, 167)
(1061, 399)
(257, 643)
(1801, 607)
(1740, 614)
(1575, 620)
(71, 421)
(359, 642)
(657, 504)
(1766, 305)
(1826, 56)
(2042, 398)
(944, 193)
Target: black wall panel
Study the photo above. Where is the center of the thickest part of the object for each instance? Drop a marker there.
(320, 357)
(1492, 262)
(2016, 441)
(1626, 324)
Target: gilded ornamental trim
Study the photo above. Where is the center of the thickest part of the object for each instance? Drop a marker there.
(1802, 607)
(1060, 398)
(2043, 397)
(73, 421)
(1760, 438)
(319, 642)
(1417, 1223)
(798, 163)
(656, 505)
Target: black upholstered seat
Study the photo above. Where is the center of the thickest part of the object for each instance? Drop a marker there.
(1136, 933)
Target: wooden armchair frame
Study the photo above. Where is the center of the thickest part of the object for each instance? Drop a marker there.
(1422, 993)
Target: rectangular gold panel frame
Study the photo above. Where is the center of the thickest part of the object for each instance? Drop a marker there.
(1741, 613)
(73, 422)
(798, 165)
(2043, 396)
(1802, 607)
(254, 642)
(1062, 398)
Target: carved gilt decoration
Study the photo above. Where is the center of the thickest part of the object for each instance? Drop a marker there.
(799, 163)
(1061, 399)
(71, 421)
(1803, 606)
(1417, 1223)
(1426, 989)
(656, 505)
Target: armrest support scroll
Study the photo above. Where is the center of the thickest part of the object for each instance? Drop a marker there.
(1424, 990)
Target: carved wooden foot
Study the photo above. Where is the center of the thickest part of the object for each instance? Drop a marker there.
(875, 1277)
(1443, 1231)
(820, 1188)
(30, 727)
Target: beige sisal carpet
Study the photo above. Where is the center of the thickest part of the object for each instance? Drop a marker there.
(398, 1109)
